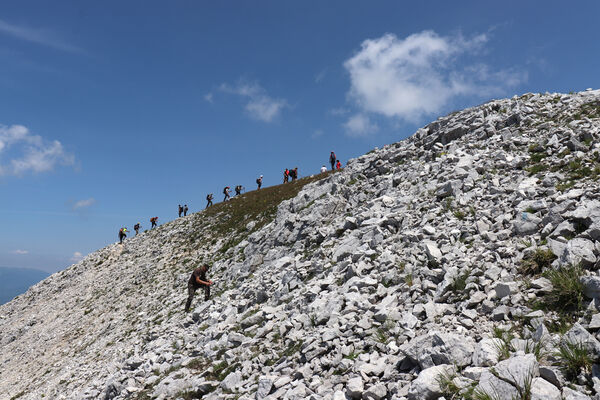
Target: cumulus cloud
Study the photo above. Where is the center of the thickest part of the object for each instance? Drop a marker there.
(21, 252)
(29, 153)
(360, 125)
(421, 74)
(260, 105)
(81, 204)
(39, 36)
(76, 257)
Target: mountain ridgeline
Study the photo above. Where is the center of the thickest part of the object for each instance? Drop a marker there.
(461, 262)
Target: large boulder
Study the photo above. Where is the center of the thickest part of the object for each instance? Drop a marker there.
(508, 377)
(526, 224)
(440, 348)
(579, 251)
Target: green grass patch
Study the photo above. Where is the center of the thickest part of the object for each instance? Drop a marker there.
(573, 358)
(257, 205)
(537, 263)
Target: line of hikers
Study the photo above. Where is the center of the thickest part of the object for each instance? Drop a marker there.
(123, 231)
(183, 210)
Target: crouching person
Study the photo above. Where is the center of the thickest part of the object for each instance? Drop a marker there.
(198, 280)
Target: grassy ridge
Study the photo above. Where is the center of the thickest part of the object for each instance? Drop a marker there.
(258, 206)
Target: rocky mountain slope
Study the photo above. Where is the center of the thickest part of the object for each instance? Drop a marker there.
(459, 263)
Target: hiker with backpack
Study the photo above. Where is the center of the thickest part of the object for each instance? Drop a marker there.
(323, 169)
(153, 220)
(259, 182)
(238, 190)
(185, 210)
(332, 160)
(294, 174)
(180, 210)
(209, 198)
(196, 281)
(137, 227)
(226, 193)
(286, 175)
(122, 234)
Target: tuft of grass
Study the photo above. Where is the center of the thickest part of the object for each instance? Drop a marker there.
(409, 279)
(504, 347)
(353, 356)
(567, 292)
(537, 263)
(459, 283)
(573, 359)
(536, 169)
(561, 187)
(450, 389)
(459, 214)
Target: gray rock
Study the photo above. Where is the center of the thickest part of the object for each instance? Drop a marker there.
(427, 384)
(432, 251)
(504, 289)
(544, 390)
(265, 384)
(509, 374)
(375, 392)
(579, 251)
(570, 394)
(578, 335)
(553, 375)
(440, 348)
(595, 322)
(526, 224)
(355, 388)
(486, 352)
(232, 381)
(591, 286)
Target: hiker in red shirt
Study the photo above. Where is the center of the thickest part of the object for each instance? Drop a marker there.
(286, 175)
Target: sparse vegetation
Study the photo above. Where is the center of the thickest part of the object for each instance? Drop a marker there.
(573, 358)
(450, 389)
(567, 291)
(540, 260)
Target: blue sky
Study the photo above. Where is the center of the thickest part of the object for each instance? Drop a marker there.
(113, 112)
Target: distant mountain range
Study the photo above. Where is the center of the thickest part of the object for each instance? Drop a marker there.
(14, 281)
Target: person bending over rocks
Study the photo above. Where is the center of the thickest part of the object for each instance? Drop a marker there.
(198, 280)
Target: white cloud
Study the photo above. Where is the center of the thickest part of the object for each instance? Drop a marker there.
(260, 105)
(21, 252)
(421, 74)
(339, 111)
(317, 133)
(29, 153)
(76, 257)
(320, 76)
(360, 125)
(208, 97)
(42, 37)
(81, 204)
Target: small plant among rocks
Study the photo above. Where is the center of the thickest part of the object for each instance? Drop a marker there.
(537, 263)
(574, 359)
(450, 390)
(567, 291)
